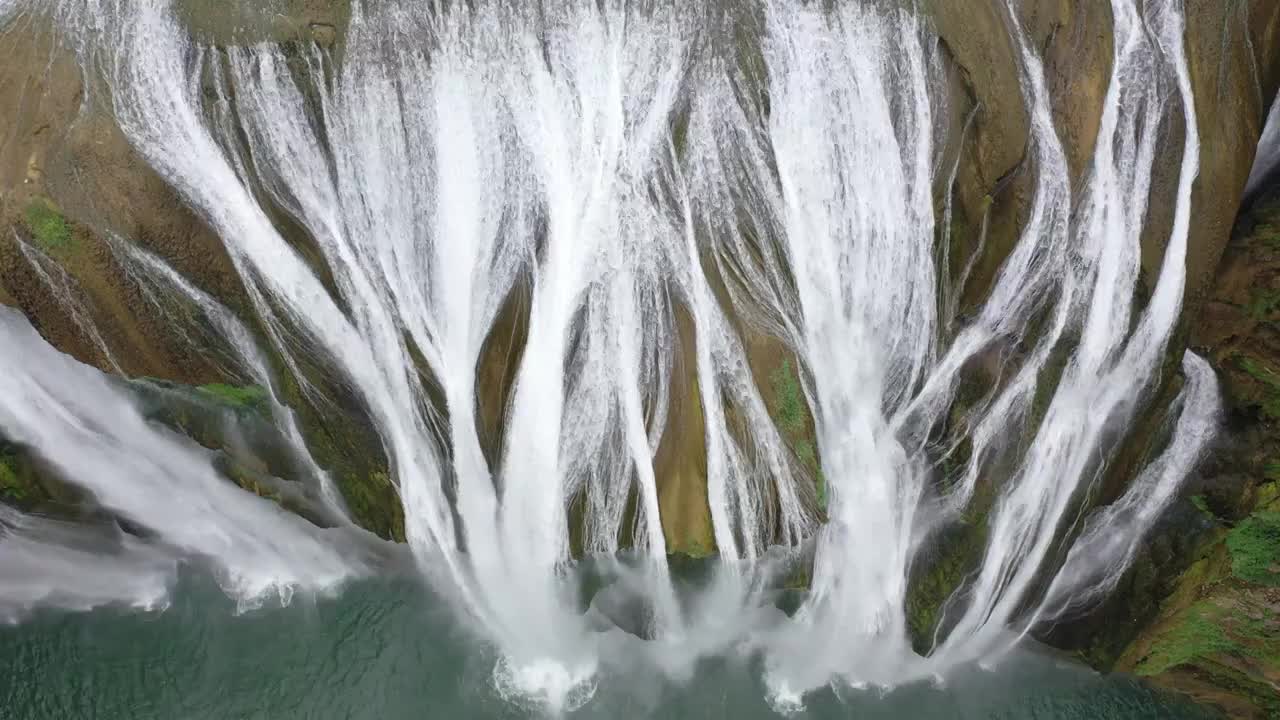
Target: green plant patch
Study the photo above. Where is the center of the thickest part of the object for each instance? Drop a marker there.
(1267, 495)
(1260, 372)
(1272, 471)
(48, 227)
(373, 502)
(1270, 379)
(793, 420)
(1263, 303)
(1198, 636)
(248, 397)
(1201, 504)
(786, 388)
(241, 476)
(698, 547)
(1256, 638)
(10, 486)
(1213, 636)
(934, 581)
(1268, 234)
(1255, 549)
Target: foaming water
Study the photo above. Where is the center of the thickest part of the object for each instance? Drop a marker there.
(386, 649)
(618, 173)
(48, 563)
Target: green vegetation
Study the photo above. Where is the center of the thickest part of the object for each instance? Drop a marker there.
(1268, 234)
(1270, 401)
(1260, 372)
(18, 484)
(49, 228)
(786, 388)
(696, 547)
(1201, 504)
(1255, 549)
(248, 397)
(1197, 636)
(1215, 639)
(1267, 494)
(1217, 635)
(1272, 471)
(929, 590)
(246, 479)
(793, 419)
(1263, 303)
(372, 501)
(10, 486)
(956, 553)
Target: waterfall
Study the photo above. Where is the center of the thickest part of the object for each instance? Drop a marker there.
(616, 172)
(1268, 152)
(71, 416)
(50, 563)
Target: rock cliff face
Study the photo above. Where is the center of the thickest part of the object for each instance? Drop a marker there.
(72, 190)
(1185, 616)
(1208, 591)
(1198, 610)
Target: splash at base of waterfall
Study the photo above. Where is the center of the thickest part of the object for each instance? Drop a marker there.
(386, 649)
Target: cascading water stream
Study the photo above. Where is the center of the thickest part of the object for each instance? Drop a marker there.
(607, 170)
(70, 415)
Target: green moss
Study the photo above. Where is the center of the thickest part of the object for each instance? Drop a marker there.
(792, 415)
(696, 547)
(349, 451)
(343, 442)
(1256, 639)
(373, 503)
(1268, 494)
(955, 555)
(790, 399)
(1263, 303)
(1269, 402)
(1228, 680)
(807, 454)
(1227, 642)
(1198, 636)
(929, 592)
(1272, 471)
(10, 486)
(1268, 234)
(248, 397)
(49, 228)
(1255, 549)
(19, 484)
(1201, 504)
(248, 480)
(1260, 372)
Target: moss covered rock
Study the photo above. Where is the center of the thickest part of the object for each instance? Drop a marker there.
(1216, 632)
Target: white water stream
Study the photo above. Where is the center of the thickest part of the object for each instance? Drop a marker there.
(620, 167)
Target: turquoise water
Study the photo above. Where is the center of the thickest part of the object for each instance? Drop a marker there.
(385, 649)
